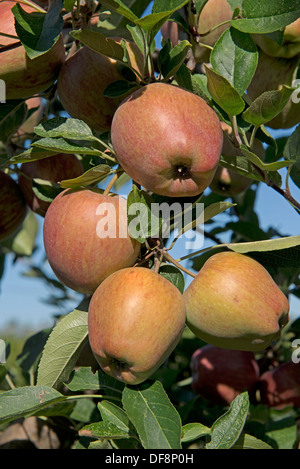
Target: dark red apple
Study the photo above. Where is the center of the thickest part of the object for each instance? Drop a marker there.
(56, 168)
(81, 83)
(280, 387)
(13, 206)
(219, 375)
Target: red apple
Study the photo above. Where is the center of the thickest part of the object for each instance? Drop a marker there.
(220, 375)
(54, 169)
(86, 238)
(168, 140)
(13, 207)
(280, 387)
(81, 83)
(23, 76)
(136, 318)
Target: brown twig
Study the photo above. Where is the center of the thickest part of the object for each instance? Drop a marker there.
(174, 262)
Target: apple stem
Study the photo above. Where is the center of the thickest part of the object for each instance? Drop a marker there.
(112, 182)
(174, 262)
(235, 131)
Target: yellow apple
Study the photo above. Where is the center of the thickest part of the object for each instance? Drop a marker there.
(136, 318)
(234, 303)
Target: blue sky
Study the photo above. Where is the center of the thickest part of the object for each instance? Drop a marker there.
(21, 298)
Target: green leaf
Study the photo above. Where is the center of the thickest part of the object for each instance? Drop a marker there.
(38, 32)
(160, 6)
(226, 429)
(161, 11)
(201, 216)
(283, 433)
(112, 413)
(174, 275)
(193, 431)
(84, 379)
(267, 17)
(216, 208)
(32, 154)
(119, 88)
(26, 400)
(223, 93)
(60, 145)
(235, 57)
(292, 152)
(69, 128)
(266, 245)
(241, 165)
(171, 59)
(278, 258)
(92, 176)
(63, 347)
(246, 441)
(124, 52)
(12, 115)
(156, 420)
(31, 352)
(292, 147)
(120, 8)
(184, 77)
(264, 166)
(99, 43)
(45, 190)
(105, 430)
(143, 222)
(267, 106)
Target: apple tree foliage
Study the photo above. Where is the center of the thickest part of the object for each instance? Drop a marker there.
(163, 412)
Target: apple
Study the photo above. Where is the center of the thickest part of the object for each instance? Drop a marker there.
(234, 303)
(170, 30)
(214, 12)
(280, 386)
(167, 139)
(82, 81)
(271, 74)
(290, 46)
(23, 76)
(220, 375)
(226, 181)
(86, 238)
(26, 130)
(54, 169)
(135, 320)
(13, 206)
